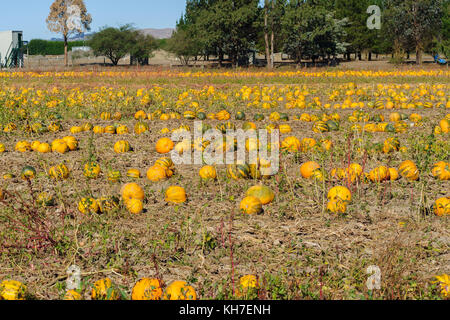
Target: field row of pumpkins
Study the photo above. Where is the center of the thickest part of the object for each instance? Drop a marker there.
(256, 197)
(144, 289)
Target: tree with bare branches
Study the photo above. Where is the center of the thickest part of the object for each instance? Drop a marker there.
(68, 17)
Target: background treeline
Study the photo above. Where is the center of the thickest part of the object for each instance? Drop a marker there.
(44, 47)
(309, 29)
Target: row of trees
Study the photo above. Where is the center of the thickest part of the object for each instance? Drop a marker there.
(308, 29)
(303, 29)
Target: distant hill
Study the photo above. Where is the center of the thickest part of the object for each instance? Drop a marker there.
(157, 33)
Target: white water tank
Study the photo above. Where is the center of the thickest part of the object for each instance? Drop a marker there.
(8, 40)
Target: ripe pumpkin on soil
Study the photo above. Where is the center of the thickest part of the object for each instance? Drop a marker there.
(132, 191)
(134, 206)
(179, 290)
(337, 206)
(442, 207)
(72, 295)
(307, 169)
(103, 290)
(88, 205)
(164, 145)
(147, 289)
(251, 205)
(340, 193)
(12, 290)
(175, 194)
(208, 173)
(156, 173)
(263, 193)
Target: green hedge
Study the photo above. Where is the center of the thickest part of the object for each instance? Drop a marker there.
(44, 47)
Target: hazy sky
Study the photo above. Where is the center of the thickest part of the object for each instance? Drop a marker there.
(29, 15)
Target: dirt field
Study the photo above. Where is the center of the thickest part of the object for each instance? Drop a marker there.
(296, 248)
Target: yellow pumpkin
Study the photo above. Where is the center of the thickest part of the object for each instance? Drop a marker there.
(291, 144)
(308, 144)
(263, 193)
(393, 174)
(251, 205)
(92, 170)
(223, 115)
(441, 170)
(284, 128)
(104, 290)
(117, 116)
(354, 172)
(379, 174)
(60, 146)
(175, 194)
(156, 173)
(110, 129)
(134, 173)
(12, 290)
(23, 146)
(107, 204)
(132, 191)
(72, 295)
(307, 169)
(44, 148)
(165, 163)
(208, 172)
(340, 193)
(35, 145)
(164, 145)
(87, 126)
(179, 290)
(442, 207)
(140, 128)
(76, 129)
(147, 289)
(71, 142)
(114, 175)
(88, 205)
(140, 115)
(408, 170)
(338, 173)
(59, 172)
(105, 116)
(98, 130)
(122, 130)
(337, 206)
(444, 124)
(122, 146)
(134, 206)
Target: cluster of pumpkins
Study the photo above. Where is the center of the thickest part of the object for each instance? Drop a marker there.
(144, 289)
(354, 173)
(133, 198)
(62, 146)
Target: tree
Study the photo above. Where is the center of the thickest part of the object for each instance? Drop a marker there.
(183, 45)
(68, 17)
(444, 37)
(114, 43)
(312, 31)
(229, 27)
(273, 12)
(414, 22)
(142, 46)
(358, 35)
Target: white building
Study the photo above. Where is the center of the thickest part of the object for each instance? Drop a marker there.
(11, 43)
